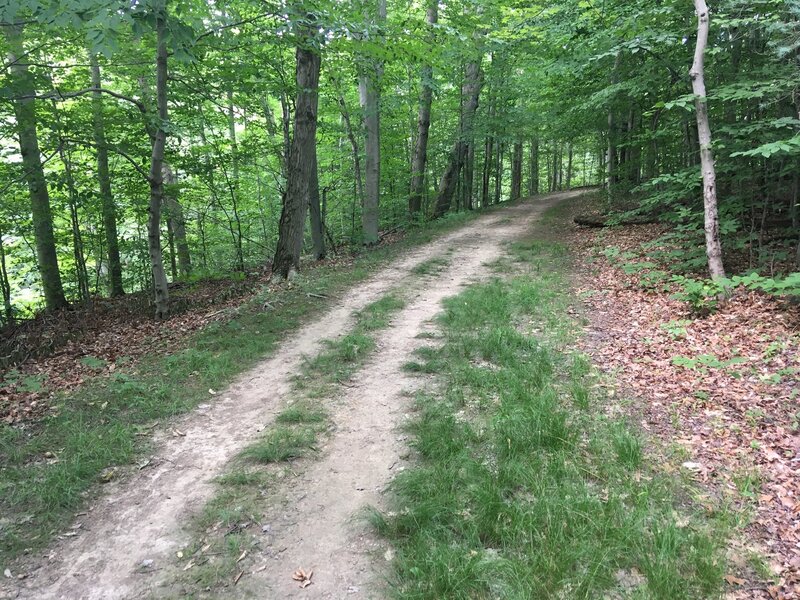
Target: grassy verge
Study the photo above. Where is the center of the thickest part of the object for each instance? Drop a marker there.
(526, 486)
(432, 266)
(50, 468)
(228, 533)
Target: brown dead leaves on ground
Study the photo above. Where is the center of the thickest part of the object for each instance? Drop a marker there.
(91, 341)
(724, 388)
(58, 352)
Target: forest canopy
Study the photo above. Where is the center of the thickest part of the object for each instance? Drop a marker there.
(151, 142)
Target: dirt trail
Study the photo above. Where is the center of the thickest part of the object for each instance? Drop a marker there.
(140, 518)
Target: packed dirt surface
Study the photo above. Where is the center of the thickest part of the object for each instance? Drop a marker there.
(123, 545)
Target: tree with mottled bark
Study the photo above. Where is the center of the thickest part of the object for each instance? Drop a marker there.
(711, 214)
(104, 182)
(156, 175)
(315, 213)
(516, 171)
(5, 285)
(533, 176)
(471, 90)
(612, 159)
(176, 220)
(369, 87)
(234, 184)
(419, 161)
(569, 165)
(301, 156)
(25, 114)
(351, 136)
(488, 158)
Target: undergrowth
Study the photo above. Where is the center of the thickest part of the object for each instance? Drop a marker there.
(525, 487)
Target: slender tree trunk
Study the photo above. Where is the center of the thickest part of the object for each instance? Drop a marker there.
(713, 245)
(447, 186)
(419, 161)
(370, 94)
(287, 138)
(104, 183)
(613, 159)
(651, 169)
(173, 259)
(498, 172)
(301, 158)
(487, 170)
(533, 181)
(156, 177)
(794, 209)
(794, 200)
(235, 184)
(201, 229)
(317, 218)
(516, 171)
(81, 274)
(560, 170)
(359, 182)
(176, 220)
(25, 113)
(5, 284)
(569, 166)
(469, 175)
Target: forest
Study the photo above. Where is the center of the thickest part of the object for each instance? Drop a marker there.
(144, 145)
(521, 278)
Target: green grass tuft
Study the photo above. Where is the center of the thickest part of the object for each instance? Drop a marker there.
(431, 266)
(300, 413)
(282, 444)
(520, 495)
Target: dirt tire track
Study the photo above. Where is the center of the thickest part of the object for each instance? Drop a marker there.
(140, 518)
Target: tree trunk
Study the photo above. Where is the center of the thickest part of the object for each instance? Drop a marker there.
(469, 175)
(533, 181)
(633, 153)
(487, 170)
(613, 159)
(177, 223)
(359, 182)
(370, 95)
(173, 259)
(81, 274)
(156, 177)
(25, 114)
(287, 138)
(498, 172)
(447, 187)
(713, 245)
(234, 187)
(317, 218)
(559, 170)
(569, 166)
(516, 172)
(5, 284)
(419, 160)
(301, 158)
(104, 183)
